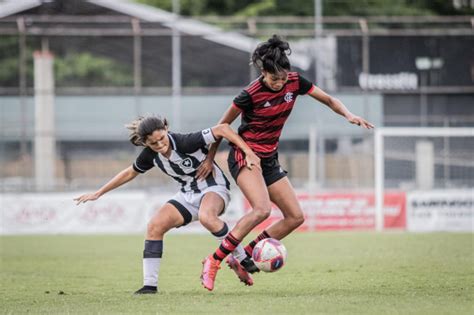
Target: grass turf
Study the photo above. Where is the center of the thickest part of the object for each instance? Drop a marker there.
(338, 273)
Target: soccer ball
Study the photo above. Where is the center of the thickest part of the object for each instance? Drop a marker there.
(269, 255)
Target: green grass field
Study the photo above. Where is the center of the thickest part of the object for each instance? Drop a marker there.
(337, 273)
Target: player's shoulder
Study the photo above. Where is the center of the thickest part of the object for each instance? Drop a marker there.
(175, 138)
(253, 86)
(293, 75)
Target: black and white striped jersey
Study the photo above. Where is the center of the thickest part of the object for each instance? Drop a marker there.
(187, 153)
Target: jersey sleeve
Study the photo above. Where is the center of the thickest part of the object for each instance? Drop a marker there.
(305, 85)
(243, 101)
(191, 142)
(144, 161)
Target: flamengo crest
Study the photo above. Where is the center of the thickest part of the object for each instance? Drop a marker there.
(288, 97)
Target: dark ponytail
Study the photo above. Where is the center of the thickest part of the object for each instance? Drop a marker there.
(272, 55)
(142, 127)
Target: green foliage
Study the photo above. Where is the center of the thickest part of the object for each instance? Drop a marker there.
(75, 69)
(9, 61)
(326, 273)
(85, 69)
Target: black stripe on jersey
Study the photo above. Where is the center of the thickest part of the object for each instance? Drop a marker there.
(277, 101)
(193, 185)
(268, 129)
(227, 183)
(262, 141)
(253, 116)
(185, 156)
(210, 181)
(173, 142)
(179, 180)
(160, 164)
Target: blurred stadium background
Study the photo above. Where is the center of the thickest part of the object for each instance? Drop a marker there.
(74, 72)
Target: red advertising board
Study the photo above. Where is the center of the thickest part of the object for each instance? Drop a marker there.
(344, 211)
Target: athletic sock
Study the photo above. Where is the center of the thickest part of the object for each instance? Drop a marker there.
(228, 245)
(251, 245)
(151, 262)
(239, 252)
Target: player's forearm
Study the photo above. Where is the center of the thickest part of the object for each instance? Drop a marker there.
(225, 131)
(213, 149)
(118, 180)
(228, 117)
(338, 107)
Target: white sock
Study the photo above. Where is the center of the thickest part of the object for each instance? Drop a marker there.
(151, 262)
(151, 267)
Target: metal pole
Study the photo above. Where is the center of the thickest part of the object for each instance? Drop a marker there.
(321, 162)
(423, 100)
(22, 83)
(446, 161)
(365, 62)
(312, 156)
(176, 68)
(318, 30)
(137, 64)
(379, 180)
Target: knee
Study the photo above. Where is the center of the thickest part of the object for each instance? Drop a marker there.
(155, 229)
(207, 219)
(262, 211)
(296, 221)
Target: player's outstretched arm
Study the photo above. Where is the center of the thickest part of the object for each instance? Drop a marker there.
(338, 107)
(225, 131)
(121, 178)
(206, 166)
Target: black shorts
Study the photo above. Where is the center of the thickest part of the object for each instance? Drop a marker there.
(271, 169)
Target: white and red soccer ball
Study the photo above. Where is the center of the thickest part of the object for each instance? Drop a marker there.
(269, 255)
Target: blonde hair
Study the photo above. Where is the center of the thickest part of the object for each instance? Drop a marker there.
(143, 126)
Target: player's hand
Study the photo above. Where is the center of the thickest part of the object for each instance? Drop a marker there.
(86, 197)
(252, 160)
(359, 121)
(204, 169)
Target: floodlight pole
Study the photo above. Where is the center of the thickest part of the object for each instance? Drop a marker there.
(176, 68)
(318, 31)
(137, 64)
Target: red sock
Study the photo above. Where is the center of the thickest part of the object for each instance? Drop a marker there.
(227, 246)
(251, 245)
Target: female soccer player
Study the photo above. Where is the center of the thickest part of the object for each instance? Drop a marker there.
(264, 106)
(179, 156)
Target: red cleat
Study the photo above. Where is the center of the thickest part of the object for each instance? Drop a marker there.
(243, 275)
(210, 266)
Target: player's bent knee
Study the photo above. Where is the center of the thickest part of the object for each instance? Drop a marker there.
(156, 230)
(298, 220)
(207, 219)
(262, 211)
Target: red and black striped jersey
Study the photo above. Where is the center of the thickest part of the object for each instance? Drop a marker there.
(264, 112)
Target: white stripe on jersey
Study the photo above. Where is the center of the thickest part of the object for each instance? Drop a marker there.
(184, 162)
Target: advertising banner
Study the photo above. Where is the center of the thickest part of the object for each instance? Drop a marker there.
(113, 213)
(344, 211)
(440, 210)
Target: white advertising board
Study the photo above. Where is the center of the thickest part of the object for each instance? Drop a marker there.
(114, 213)
(440, 210)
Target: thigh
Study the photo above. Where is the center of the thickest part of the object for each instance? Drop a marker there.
(253, 186)
(212, 203)
(283, 196)
(167, 217)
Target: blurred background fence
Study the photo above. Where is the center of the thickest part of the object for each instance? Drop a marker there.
(115, 60)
